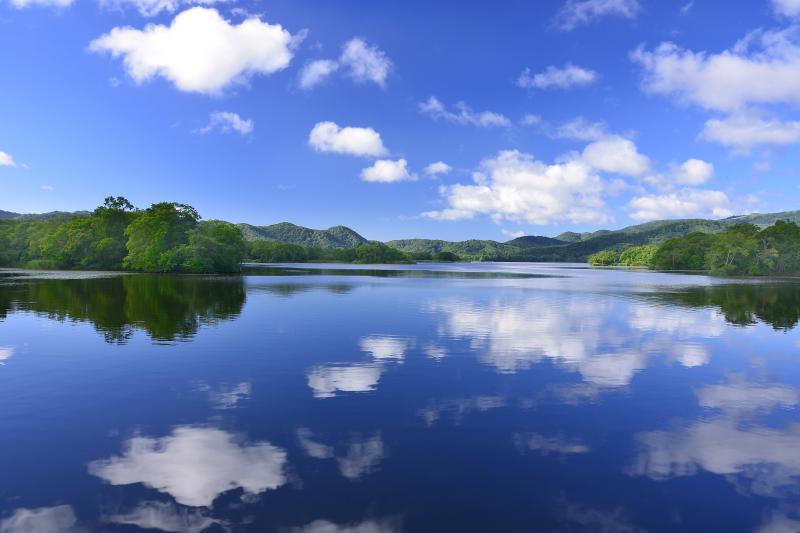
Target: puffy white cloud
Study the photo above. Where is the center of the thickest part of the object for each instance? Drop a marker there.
(200, 51)
(329, 137)
(693, 172)
(388, 171)
(778, 522)
(463, 114)
(365, 63)
(195, 465)
(326, 381)
(762, 68)
(316, 72)
(367, 526)
(616, 154)
(384, 347)
(151, 8)
(787, 8)
(557, 78)
(59, 519)
(684, 203)
(439, 167)
(20, 4)
(226, 122)
(580, 129)
(6, 160)
(515, 186)
(744, 131)
(764, 456)
(576, 13)
(164, 516)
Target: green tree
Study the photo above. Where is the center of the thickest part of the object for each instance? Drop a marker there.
(157, 235)
(604, 258)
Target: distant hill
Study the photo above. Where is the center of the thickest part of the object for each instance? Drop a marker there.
(9, 215)
(335, 237)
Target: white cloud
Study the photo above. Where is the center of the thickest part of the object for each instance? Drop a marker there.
(329, 137)
(387, 171)
(384, 347)
(685, 203)
(20, 4)
(559, 78)
(575, 13)
(47, 188)
(316, 72)
(514, 186)
(367, 526)
(195, 465)
(786, 8)
(226, 122)
(463, 114)
(326, 381)
(6, 160)
(5, 353)
(165, 516)
(693, 172)
(200, 51)
(778, 522)
(439, 167)
(762, 68)
(531, 120)
(744, 131)
(227, 397)
(739, 396)
(580, 129)
(365, 63)
(513, 234)
(59, 519)
(151, 8)
(616, 154)
(361, 458)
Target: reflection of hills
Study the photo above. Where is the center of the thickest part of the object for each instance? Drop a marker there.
(166, 307)
(774, 304)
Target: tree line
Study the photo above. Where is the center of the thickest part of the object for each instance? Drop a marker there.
(165, 237)
(743, 249)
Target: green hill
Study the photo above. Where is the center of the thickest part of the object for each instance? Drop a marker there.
(335, 237)
(9, 215)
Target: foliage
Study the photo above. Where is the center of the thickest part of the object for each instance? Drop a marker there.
(604, 258)
(167, 237)
(638, 255)
(379, 253)
(335, 237)
(446, 257)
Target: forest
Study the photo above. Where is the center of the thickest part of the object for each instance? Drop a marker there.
(742, 249)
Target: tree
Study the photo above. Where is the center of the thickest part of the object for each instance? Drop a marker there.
(156, 236)
(604, 258)
(379, 253)
(214, 246)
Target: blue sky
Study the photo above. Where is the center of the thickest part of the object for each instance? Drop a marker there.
(542, 116)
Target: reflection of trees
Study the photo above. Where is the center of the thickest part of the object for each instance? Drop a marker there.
(777, 305)
(166, 307)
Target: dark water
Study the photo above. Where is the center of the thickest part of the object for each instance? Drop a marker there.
(383, 399)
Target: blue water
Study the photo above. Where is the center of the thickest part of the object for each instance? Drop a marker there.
(508, 397)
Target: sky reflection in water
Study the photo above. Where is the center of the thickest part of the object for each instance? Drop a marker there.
(531, 397)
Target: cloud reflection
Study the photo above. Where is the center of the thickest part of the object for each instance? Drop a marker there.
(195, 465)
(58, 519)
(326, 381)
(5, 353)
(165, 516)
(362, 455)
(367, 526)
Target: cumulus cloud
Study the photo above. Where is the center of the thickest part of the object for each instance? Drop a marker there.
(326, 381)
(200, 51)
(59, 519)
(362, 62)
(762, 68)
(164, 516)
(462, 114)
(20, 4)
(744, 131)
(329, 137)
(693, 172)
(786, 8)
(226, 122)
(437, 168)
(580, 129)
(315, 72)
(685, 203)
(6, 160)
(514, 186)
(384, 346)
(151, 8)
(576, 13)
(616, 154)
(195, 465)
(557, 78)
(388, 171)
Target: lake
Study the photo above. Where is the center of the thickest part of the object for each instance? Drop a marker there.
(466, 397)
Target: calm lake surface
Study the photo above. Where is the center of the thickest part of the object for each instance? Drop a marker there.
(486, 397)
